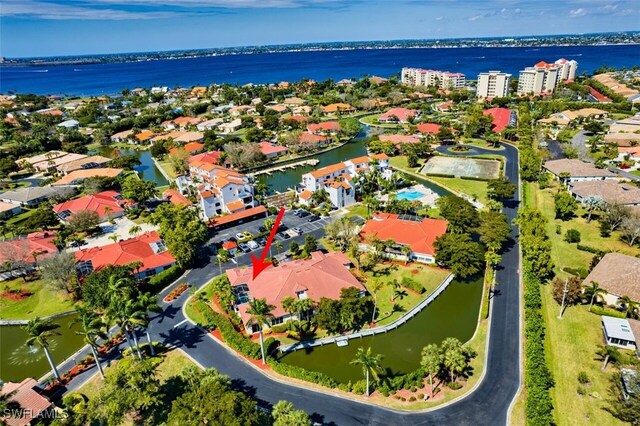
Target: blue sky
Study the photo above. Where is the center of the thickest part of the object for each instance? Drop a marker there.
(68, 27)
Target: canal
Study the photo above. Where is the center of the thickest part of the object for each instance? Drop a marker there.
(18, 361)
(453, 314)
(147, 169)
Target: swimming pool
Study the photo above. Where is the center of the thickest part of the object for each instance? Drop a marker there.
(410, 194)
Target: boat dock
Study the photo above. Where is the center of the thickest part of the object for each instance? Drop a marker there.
(283, 167)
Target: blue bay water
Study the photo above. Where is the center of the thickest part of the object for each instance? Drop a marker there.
(111, 78)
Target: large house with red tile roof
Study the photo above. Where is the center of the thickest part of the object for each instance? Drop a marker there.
(108, 205)
(324, 275)
(429, 128)
(337, 179)
(192, 148)
(272, 150)
(175, 197)
(501, 118)
(181, 123)
(219, 190)
(211, 157)
(398, 115)
(310, 141)
(31, 404)
(418, 235)
(26, 250)
(324, 128)
(147, 249)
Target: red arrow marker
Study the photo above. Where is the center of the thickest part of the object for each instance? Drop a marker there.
(260, 265)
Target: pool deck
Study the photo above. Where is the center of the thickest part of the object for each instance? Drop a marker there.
(428, 199)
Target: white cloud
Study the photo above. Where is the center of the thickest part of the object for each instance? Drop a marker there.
(475, 18)
(54, 11)
(439, 18)
(575, 13)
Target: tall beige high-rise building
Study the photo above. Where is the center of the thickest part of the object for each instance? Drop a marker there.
(543, 78)
(493, 84)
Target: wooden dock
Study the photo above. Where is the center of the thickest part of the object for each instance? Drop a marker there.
(284, 167)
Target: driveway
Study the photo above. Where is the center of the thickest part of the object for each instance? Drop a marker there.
(120, 228)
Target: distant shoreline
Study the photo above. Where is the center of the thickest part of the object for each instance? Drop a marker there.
(605, 39)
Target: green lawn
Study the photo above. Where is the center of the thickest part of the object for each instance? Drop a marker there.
(167, 167)
(429, 276)
(477, 189)
(400, 162)
(42, 302)
(373, 120)
(357, 210)
(481, 143)
(565, 254)
(635, 172)
(171, 366)
(571, 345)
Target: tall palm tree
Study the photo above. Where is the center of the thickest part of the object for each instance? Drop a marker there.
(289, 306)
(148, 303)
(593, 292)
(39, 332)
(92, 328)
(608, 354)
(370, 364)
(126, 314)
(431, 361)
(261, 315)
(406, 250)
(630, 307)
(373, 289)
(135, 230)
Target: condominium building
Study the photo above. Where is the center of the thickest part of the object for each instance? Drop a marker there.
(441, 79)
(544, 77)
(493, 84)
(337, 179)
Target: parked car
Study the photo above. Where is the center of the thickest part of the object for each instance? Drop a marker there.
(297, 230)
(262, 242)
(247, 234)
(245, 248)
(284, 235)
(253, 245)
(303, 213)
(240, 236)
(282, 227)
(313, 218)
(262, 228)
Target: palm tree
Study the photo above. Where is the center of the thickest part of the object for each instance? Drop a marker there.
(608, 354)
(135, 230)
(431, 362)
(39, 332)
(594, 292)
(370, 364)
(92, 328)
(406, 250)
(629, 306)
(289, 306)
(148, 303)
(373, 290)
(126, 314)
(261, 315)
(278, 245)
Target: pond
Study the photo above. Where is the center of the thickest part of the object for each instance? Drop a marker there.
(147, 169)
(453, 314)
(18, 361)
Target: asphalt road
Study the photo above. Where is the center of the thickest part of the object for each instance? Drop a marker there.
(487, 405)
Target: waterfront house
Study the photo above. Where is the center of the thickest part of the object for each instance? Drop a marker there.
(322, 276)
(175, 197)
(419, 235)
(272, 150)
(324, 128)
(148, 250)
(33, 196)
(24, 251)
(398, 115)
(107, 204)
(122, 136)
(311, 141)
(31, 406)
(618, 274)
(77, 176)
(83, 164)
(338, 109)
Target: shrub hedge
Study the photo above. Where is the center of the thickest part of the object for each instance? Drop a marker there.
(301, 373)
(413, 284)
(164, 278)
(589, 249)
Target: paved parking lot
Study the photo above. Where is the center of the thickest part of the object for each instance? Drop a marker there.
(308, 228)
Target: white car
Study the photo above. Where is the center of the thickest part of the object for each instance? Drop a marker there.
(253, 245)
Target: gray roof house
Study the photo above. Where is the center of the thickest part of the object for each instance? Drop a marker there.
(35, 195)
(577, 170)
(617, 332)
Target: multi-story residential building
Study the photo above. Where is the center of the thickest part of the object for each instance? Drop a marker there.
(544, 77)
(220, 190)
(441, 79)
(493, 84)
(337, 179)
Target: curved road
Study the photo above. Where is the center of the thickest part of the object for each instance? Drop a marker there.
(487, 405)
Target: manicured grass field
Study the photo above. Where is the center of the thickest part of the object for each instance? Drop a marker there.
(429, 276)
(476, 189)
(373, 120)
(480, 143)
(358, 210)
(42, 302)
(167, 167)
(400, 162)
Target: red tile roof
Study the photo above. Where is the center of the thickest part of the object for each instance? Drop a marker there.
(401, 114)
(176, 198)
(599, 96)
(211, 157)
(325, 126)
(308, 138)
(324, 275)
(430, 128)
(271, 148)
(28, 399)
(420, 236)
(137, 249)
(223, 220)
(99, 203)
(399, 138)
(501, 117)
(22, 249)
